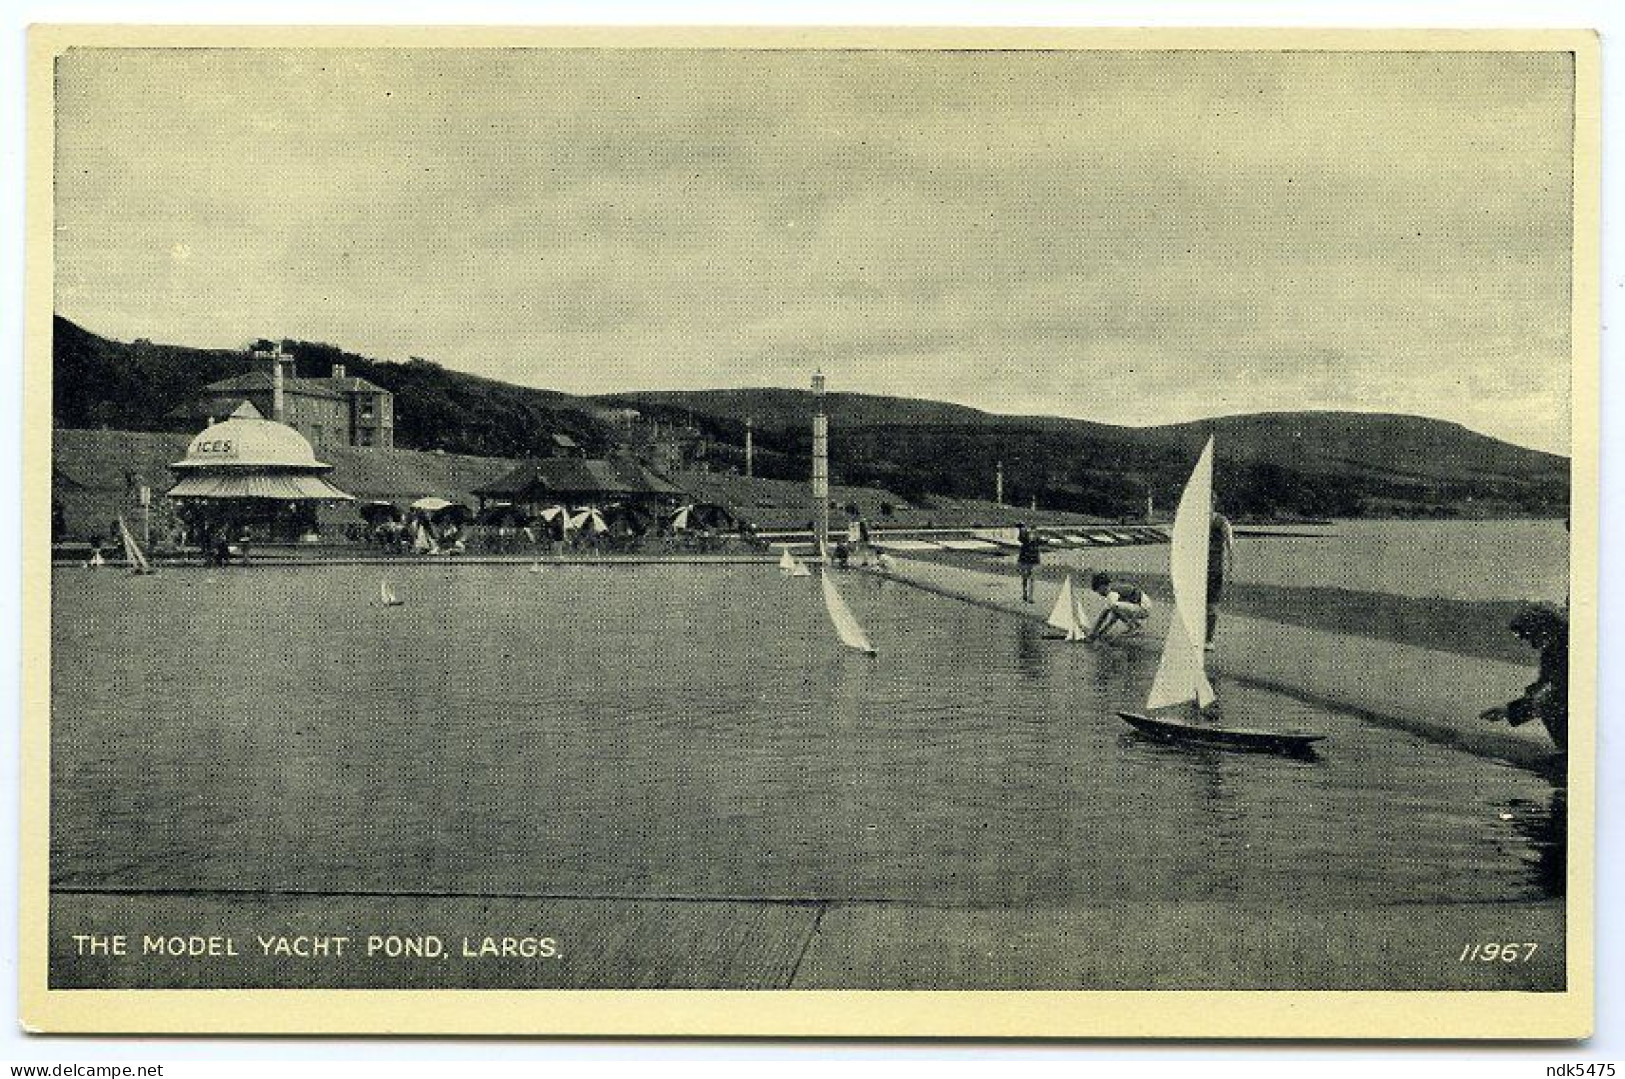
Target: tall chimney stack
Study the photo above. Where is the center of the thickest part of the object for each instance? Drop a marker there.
(820, 464)
(750, 447)
(277, 379)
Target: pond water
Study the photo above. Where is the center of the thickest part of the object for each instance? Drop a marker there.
(698, 732)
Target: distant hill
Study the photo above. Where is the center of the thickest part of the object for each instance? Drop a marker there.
(132, 386)
(1285, 464)
(1270, 465)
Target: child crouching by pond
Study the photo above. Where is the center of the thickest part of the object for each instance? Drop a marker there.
(1127, 605)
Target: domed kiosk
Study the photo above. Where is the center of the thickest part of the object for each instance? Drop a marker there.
(250, 475)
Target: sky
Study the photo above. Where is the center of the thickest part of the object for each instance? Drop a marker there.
(1131, 237)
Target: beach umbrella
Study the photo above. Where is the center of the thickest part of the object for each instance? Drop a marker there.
(452, 513)
(588, 517)
(702, 515)
(504, 514)
(629, 517)
(712, 515)
(379, 511)
(553, 513)
(430, 504)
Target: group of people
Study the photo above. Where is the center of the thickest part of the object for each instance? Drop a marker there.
(1128, 606)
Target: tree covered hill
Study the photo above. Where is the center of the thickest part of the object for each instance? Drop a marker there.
(133, 386)
(1285, 465)
(1279, 464)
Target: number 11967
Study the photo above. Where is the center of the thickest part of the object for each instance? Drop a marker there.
(1498, 953)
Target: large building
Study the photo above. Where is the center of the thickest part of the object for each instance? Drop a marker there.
(250, 473)
(339, 410)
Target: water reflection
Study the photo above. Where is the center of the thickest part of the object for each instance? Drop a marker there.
(682, 731)
(1033, 649)
(1543, 828)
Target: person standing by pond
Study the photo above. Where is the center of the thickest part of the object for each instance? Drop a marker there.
(1221, 555)
(1027, 558)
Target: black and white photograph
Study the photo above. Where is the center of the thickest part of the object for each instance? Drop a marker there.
(1001, 513)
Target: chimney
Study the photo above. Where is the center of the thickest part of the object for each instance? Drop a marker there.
(276, 385)
(750, 446)
(338, 370)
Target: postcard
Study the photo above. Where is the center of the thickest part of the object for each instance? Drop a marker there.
(810, 532)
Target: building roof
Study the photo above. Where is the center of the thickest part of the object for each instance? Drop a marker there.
(570, 477)
(277, 486)
(260, 381)
(247, 440)
(205, 409)
(347, 384)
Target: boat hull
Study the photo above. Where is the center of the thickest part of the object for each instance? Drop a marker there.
(1294, 743)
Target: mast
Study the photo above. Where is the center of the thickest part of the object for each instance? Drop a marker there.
(820, 464)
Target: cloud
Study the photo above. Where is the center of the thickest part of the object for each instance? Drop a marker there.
(1193, 232)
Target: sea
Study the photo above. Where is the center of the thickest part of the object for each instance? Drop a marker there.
(698, 731)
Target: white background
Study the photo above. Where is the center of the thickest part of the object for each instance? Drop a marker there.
(1609, 1042)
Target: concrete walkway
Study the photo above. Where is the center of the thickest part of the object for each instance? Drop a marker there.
(1437, 695)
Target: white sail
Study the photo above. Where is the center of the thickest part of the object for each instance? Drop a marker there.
(132, 550)
(1181, 676)
(799, 568)
(387, 594)
(1064, 615)
(787, 564)
(846, 624)
(1083, 600)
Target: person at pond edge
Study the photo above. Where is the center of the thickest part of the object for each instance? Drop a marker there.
(1545, 628)
(1221, 556)
(1127, 605)
(1027, 559)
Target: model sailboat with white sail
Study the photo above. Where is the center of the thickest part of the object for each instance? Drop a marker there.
(387, 596)
(1181, 705)
(133, 555)
(1067, 614)
(846, 623)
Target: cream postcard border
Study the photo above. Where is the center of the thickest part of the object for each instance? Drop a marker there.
(799, 1013)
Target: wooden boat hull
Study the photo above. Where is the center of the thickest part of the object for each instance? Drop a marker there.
(1295, 743)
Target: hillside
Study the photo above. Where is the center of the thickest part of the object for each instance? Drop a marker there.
(1270, 465)
(1287, 464)
(111, 384)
